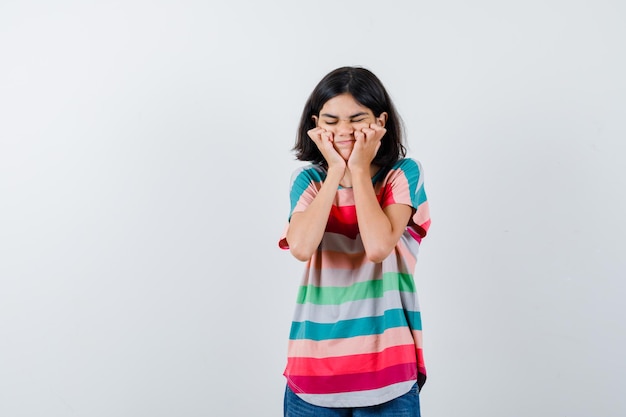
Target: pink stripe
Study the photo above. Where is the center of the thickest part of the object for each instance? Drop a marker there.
(370, 362)
(407, 256)
(417, 336)
(353, 382)
(307, 196)
(399, 190)
(345, 196)
(354, 345)
(422, 218)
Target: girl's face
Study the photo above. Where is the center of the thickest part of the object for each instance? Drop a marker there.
(342, 115)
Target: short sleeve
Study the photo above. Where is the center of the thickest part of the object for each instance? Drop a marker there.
(404, 184)
(304, 186)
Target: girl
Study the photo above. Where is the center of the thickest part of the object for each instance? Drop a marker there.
(358, 214)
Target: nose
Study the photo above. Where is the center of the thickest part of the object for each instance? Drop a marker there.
(344, 127)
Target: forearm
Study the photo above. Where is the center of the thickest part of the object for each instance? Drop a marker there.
(376, 229)
(306, 228)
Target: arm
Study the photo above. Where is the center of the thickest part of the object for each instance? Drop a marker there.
(306, 228)
(380, 228)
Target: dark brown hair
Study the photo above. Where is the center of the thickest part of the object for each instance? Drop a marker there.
(368, 91)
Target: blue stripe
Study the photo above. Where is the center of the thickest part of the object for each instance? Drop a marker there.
(302, 181)
(412, 175)
(356, 327)
(420, 196)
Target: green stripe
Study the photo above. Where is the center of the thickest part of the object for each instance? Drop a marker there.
(356, 327)
(391, 281)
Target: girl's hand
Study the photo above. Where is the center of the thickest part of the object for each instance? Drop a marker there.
(366, 146)
(323, 139)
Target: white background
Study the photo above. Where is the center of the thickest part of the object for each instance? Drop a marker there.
(144, 168)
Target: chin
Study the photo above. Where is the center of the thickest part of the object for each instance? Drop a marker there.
(345, 153)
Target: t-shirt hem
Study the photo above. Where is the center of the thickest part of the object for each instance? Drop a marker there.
(365, 398)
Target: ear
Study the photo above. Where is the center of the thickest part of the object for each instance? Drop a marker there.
(315, 119)
(382, 119)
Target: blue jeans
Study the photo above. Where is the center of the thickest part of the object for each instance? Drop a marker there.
(407, 405)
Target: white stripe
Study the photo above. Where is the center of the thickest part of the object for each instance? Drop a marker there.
(359, 398)
(370, 307)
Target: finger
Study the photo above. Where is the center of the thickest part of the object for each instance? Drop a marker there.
(378, 127)
(327, 136)
(315, 133)
(376, 131)
(368, 133)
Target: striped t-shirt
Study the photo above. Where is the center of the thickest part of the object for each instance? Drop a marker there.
(356, 335)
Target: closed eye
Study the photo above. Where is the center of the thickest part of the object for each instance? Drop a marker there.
(334, 122)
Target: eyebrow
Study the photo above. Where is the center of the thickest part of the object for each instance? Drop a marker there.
(351, 117)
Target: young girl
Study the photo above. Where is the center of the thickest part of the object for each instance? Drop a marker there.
(358, 214)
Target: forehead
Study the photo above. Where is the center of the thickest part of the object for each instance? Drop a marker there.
(343, 105)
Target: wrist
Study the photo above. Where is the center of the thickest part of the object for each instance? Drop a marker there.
(360, 171)
(335, 173)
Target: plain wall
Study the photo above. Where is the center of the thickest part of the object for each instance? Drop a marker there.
(144, 171)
